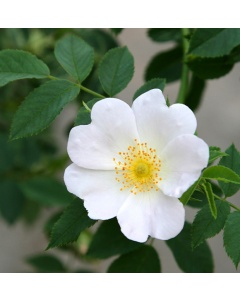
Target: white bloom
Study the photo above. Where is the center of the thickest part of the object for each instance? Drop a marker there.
(134, 164)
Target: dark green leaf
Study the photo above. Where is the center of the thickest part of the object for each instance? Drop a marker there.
(215, 153)
(109, 241)
(69, 226)
(156, 83)
(45, 263)
(187, 195)
(143, 260)
(214, 42)
(231, 161)
(11, 201)
(197, 200)
(116, 70)
(165, 34)
(116, 30)
(195, 92)
(18, 64)
(75, 56)
(221, 173)
(31, 211)
(198, 260)
(84, 115)
(166, 65)
(209, 68)
(41, 107)
(209, 193)
(7, 152)
(204, 226)
(231, 237)
(46, 191)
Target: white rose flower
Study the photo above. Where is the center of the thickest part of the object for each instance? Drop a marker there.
(134, 164)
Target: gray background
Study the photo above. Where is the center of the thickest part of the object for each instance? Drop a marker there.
(218, 124)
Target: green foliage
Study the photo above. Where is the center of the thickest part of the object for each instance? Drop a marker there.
(46, 190)
(187, 195)
(204, 226)
(198, 260)
(45, 263)
(165, 65)
(109, 241)
(221, 173)
(231, 237)
(41, 107)
(209, 193)
(84, 115)
(165, 34)
(215, 153)
(143, 260)
(214, 42)
(17, 64)
(69, 226)
(116, 70)
(11, 200)
(195, 92)
(75, 56)
(155, 83)
(231, 161)
(197, 200)
(116, 30)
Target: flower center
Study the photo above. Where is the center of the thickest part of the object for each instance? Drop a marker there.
(138, 168)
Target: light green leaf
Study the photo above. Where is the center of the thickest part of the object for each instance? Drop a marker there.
(209, 193)
(75, 56)
(221, 173)
(41, 107)
(166, 64)
(109, 241)
(214, 42)
(45, 263)
(11, 200)
(18, 64)
(215, 153)
(46, 190)
(231, 161)
(204, 226)
(187, 195)
(231, 237)
(69, 226)
(155, 83)
(198, 260)
(116, 70)
(84, 116)
(143, 260)
(165, 34)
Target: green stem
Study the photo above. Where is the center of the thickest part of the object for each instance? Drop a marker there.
(231, 204)
(184, 77)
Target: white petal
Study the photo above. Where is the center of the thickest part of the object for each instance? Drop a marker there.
(157, 123)
(182, 162)
(99, 190)
(113, 129)
(153, 214)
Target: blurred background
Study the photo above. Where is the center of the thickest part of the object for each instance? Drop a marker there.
(24, 233)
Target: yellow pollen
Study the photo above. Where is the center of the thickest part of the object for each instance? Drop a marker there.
(138, 168)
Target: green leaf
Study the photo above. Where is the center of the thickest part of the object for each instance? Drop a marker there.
(109, 241)
(11, 200)
(204, 226)
(166, 65)
(116, 70)
(214, 42)
(117, 30)
(69, 226)
(18, 64)
(231, 161)
(143, 260)
(195, 92)
(84, 115)
(209, 68)
(197, 200)
(221, 173)
(215, 153)
(41, 107)
(155, 83)
(211, 202)
(46, 190)
(165, 34)
(187, 195)
(198, 260)
(45, 263)
(75, 56)
(231, 237)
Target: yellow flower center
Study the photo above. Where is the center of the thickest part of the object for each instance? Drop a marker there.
(138, 168)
